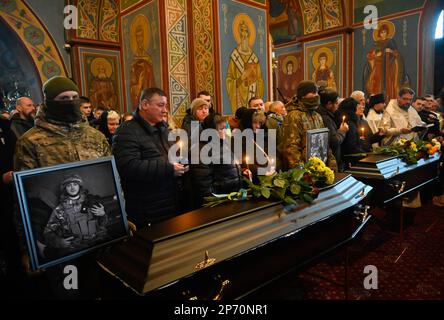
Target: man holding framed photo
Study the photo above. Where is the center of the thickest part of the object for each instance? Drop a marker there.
(61, 135)
(301, 117)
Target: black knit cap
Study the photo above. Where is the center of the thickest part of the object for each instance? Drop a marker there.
(305, 87)
(375, 99)
(56, 85)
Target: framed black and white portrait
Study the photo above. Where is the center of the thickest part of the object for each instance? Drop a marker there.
(317, 144)
(69, 210)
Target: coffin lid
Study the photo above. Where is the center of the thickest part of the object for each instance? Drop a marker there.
(384, 166)
(171, 250)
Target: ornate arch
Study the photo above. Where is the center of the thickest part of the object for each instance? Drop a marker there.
(34, 37)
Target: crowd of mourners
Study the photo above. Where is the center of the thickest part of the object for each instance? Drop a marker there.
(66, 128)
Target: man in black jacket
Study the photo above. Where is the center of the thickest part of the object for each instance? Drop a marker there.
(23, 120)
(140, 147)
(329, 105)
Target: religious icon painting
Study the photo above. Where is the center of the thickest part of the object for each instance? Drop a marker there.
(70, 210)
(386, 58)
(100, 77)
(141, 51)
(324, 62)
(243, 52)
(290, 73)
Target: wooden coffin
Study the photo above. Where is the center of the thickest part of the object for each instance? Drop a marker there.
(391, 177)
(235, 247)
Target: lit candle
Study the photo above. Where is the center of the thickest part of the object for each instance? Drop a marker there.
(362, 133)
(180, 150)
(343, 119)
(246, 161)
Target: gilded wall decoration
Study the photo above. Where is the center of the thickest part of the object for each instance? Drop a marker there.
(126, 4)
(332, 13)
(38, 42)
(311, 14)
(177, 35)
(203, 45)
(98, 20)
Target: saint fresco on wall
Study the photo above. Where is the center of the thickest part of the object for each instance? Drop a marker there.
(323, 74)
(384, 69)
(323, 62)
(141, 52)
(386, 59)
(244, 76)
(285, 21)
(290, 73)
(243, 39)
(100, 77)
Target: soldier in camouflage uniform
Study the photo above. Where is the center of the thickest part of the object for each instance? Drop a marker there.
(301, 117)
(60, 134)
(78, 221)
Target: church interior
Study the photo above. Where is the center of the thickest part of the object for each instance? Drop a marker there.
(365, 222)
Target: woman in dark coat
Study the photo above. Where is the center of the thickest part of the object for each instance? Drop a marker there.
(108, 122)
(215, 178)
(352, 143)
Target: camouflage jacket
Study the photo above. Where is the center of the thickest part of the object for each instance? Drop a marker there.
(50, 143)
(298, 120)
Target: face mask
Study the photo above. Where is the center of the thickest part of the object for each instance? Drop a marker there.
(67, 111)
(311, 103)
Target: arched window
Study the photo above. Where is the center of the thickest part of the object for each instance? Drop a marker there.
(440, 26)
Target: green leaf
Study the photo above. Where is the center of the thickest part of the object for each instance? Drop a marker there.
(265, 192)
(297, 174)
(257, 191)
(279, 183)
(295, 189)
(290, 200)
(247, 181)
(279, 193)
(266, 181)
(307, 198)
(305, 186)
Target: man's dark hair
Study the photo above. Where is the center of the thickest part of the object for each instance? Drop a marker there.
(203, 93)
(100, 108)
(328, 95)
(84, 99)
(406, 90)
(251, 99)
(441, 97)
(148, 93)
